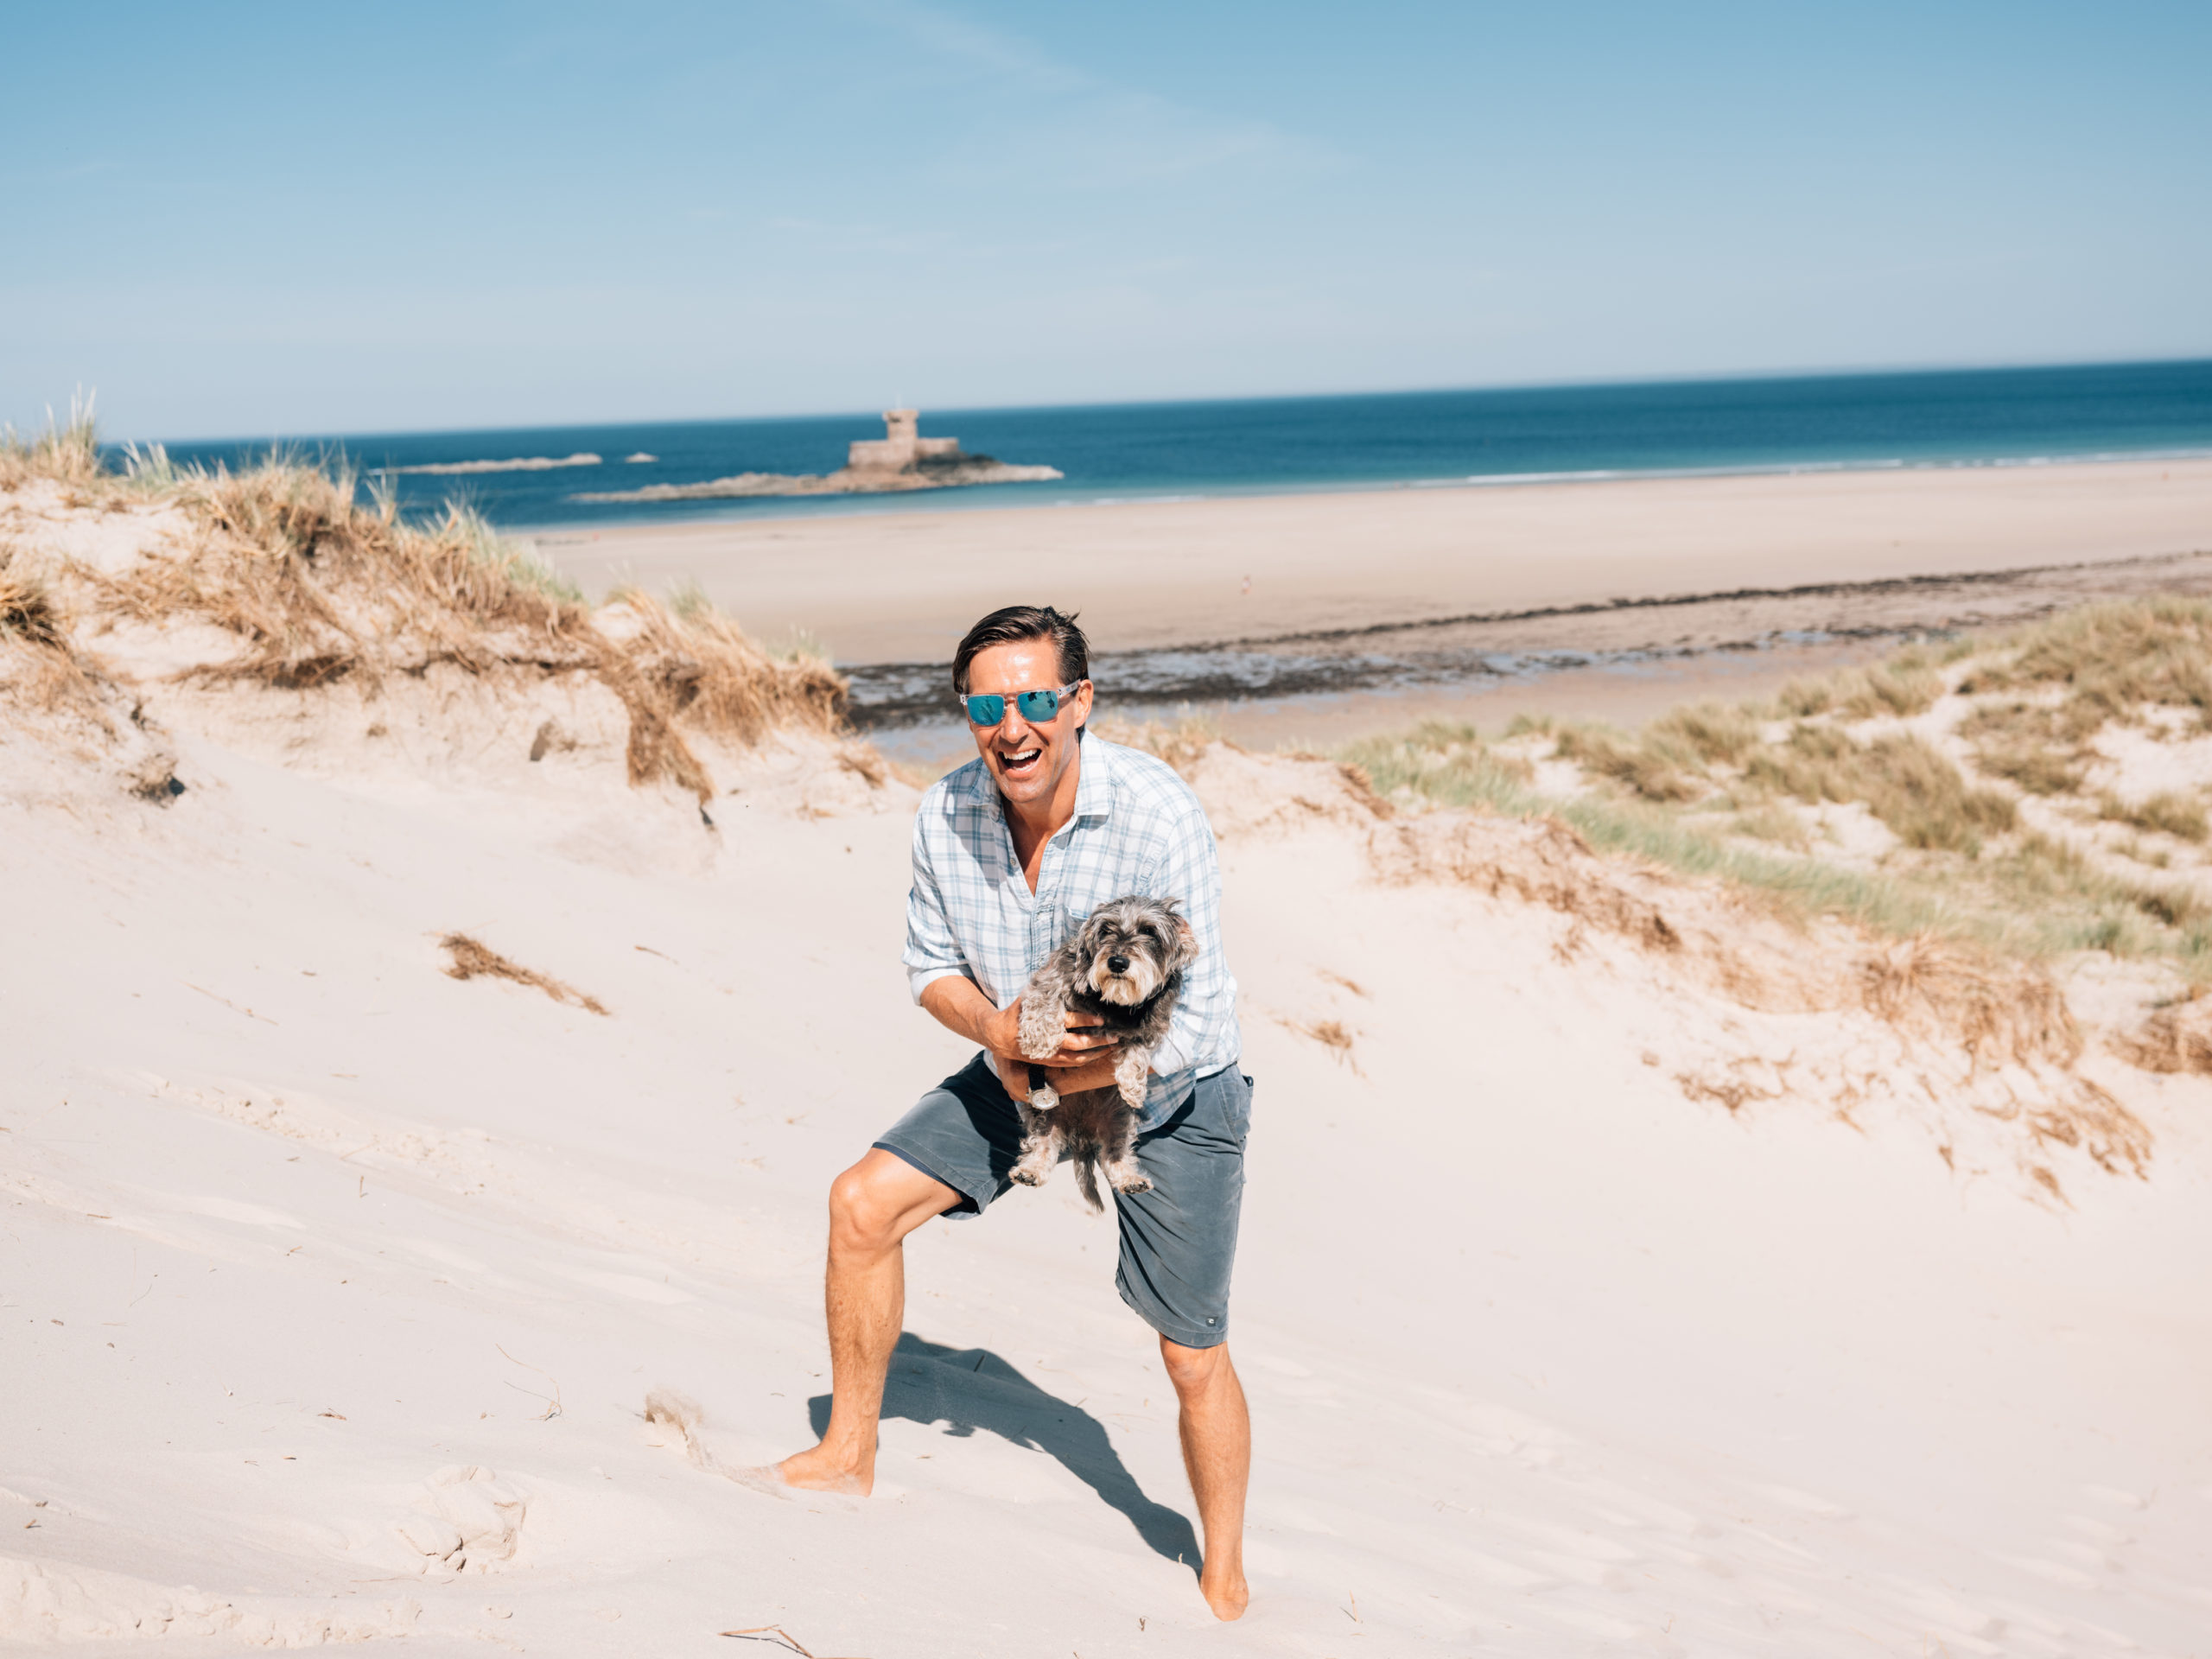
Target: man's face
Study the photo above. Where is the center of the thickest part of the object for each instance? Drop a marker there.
(1027, 760)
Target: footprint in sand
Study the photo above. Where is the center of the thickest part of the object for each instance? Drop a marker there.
(468, 1520)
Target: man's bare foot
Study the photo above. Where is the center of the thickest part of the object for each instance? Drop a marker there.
(1226, 1593)
(820, 1470)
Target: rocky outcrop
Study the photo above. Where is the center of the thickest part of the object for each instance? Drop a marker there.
(929, 473)
(903, 460)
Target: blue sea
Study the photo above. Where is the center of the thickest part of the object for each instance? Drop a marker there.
(1127, 452)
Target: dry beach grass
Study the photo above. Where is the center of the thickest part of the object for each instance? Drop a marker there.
(319, 588)
(1922, 794)
(468, 958)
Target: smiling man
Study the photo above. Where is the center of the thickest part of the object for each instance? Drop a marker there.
(1011, 853)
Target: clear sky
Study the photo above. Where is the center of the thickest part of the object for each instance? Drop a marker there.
(252, 221)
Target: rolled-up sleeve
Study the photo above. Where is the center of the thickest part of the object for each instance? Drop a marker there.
(932, 953)
(1189, 870)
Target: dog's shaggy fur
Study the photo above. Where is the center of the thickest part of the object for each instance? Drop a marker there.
(1125, 964)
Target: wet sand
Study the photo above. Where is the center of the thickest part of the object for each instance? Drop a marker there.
(1624, 662)
(1622, 693)
(901, 587)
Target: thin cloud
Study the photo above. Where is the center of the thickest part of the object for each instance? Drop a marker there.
(952, 36)
(1056, 124)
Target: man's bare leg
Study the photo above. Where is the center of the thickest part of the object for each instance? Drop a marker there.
(873, 1206)
(1217, 1433)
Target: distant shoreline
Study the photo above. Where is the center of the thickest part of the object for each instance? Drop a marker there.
(898, 587)
(979, 498)
(1501, 440)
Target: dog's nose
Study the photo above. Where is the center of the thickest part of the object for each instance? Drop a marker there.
(1118, 965)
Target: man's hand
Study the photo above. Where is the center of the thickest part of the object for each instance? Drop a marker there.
(1084, 1060)
(1083, 1042)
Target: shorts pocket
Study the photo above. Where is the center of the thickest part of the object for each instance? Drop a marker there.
(1237, 1107)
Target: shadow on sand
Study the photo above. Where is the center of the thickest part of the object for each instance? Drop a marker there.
(971, 1388)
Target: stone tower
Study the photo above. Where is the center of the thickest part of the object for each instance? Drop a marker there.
(902, 447)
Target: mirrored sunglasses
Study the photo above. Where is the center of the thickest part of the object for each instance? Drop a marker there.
(988, 708)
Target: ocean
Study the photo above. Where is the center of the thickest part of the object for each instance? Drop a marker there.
(1275, 445)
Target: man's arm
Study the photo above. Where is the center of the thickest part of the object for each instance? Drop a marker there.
(957, 1005)
(936, 971)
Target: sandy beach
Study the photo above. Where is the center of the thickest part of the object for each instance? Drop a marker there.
(1619, 1271)
(1573, 1021)
(900, 586)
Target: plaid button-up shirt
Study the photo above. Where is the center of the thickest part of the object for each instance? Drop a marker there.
(1137, 829)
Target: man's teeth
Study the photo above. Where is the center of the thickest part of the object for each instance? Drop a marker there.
(1024, 758)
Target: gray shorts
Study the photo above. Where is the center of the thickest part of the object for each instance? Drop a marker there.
(1179, 1241)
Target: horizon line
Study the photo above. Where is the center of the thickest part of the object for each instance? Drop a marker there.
(1571, 382)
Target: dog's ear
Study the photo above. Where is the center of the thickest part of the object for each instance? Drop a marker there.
(1188, 936)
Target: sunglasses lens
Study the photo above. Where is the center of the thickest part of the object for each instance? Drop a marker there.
(986, 710)
(1039, 705)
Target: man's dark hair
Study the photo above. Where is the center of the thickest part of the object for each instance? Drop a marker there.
(1017, 623)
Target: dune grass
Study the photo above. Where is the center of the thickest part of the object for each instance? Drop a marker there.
(40, 663)
(1449, 766)
(1728, 755)
(1906, 684)
(1178, 743)
(1903, 781)
(27, 611)
(321, 586)
(2165, 813)
(2111, 660)
(65, 452)
(1708, 789)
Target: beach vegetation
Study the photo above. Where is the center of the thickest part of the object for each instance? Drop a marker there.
(1906, 685)
(1899, 778)
(2039, 748)
(67, 451)
(470, 958)
(2165, 813)
(2111, 661)
(27, 612)
(322, 581)
(1180, 741)
(1993, 837)
(40, 663)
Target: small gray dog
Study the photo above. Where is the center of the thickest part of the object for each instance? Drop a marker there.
(1125, 964)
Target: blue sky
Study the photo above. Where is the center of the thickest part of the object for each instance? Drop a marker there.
(280, 219)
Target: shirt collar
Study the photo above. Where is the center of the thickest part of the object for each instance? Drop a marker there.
(1094, 782)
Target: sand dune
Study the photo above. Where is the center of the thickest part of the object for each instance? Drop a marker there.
(1622, 1269)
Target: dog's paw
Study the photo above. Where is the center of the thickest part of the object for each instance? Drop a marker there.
(1132, 1077)
(1130, 1183)
(1027, 1177)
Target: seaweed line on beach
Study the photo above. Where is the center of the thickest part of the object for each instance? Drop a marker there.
(1495, 647)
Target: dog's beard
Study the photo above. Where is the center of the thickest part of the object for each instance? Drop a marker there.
(1126, 989)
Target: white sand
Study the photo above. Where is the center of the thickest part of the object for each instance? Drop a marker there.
(903, 587)
(1544, 1356)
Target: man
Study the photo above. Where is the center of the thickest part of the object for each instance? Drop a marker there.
(1011, 853)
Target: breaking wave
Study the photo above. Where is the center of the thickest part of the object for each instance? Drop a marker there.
(526, 464)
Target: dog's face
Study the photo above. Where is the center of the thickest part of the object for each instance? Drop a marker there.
(1130, 947)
